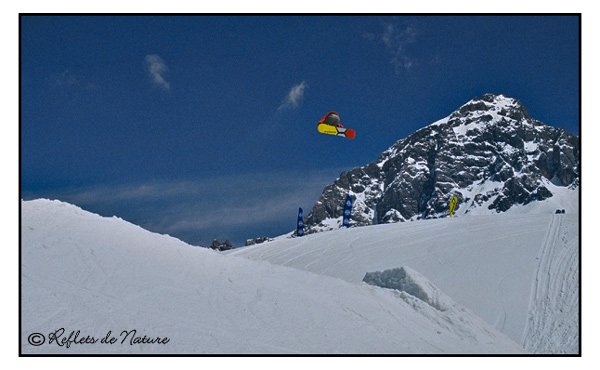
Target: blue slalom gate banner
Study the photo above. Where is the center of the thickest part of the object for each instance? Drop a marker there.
(300, 224)
(347, 211)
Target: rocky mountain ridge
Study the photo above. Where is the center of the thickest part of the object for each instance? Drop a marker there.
(490, 153)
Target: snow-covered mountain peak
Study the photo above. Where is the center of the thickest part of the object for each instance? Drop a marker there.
(490, 109)
(490, 102)
(486, 109)
(489, 152)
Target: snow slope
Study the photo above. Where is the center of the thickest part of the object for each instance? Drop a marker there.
(102, 276)
(519, 272)
(552, 324)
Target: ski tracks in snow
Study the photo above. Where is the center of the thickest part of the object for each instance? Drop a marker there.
(553, 319)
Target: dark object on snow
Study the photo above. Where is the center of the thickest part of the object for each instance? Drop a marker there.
(559, 211)
(300, 223)
(347, 211)
(254, 241)
(221, 246)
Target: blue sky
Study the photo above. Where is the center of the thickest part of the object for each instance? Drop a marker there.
(204, 127)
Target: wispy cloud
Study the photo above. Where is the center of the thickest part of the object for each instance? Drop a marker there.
(294, 97)
(65, 78)
(157, 69)
(396, 39)
(69, 80)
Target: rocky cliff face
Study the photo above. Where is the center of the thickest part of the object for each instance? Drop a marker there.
(489, 153)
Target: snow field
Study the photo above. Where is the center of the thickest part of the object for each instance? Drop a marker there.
(86, 273)
(487, 263)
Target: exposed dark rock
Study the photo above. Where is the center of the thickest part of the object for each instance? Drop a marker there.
(221, 246)
(259, 240)
(489, 152)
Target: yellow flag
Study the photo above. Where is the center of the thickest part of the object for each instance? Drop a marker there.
(453, 202)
